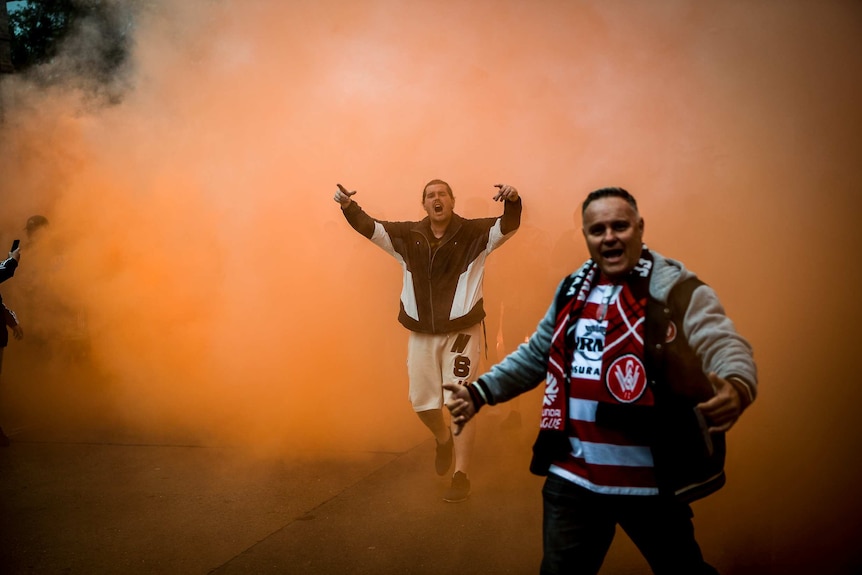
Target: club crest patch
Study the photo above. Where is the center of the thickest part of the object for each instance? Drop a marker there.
(626, 378)
(671, 332)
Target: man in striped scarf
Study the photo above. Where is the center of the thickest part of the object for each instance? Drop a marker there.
(644, 373)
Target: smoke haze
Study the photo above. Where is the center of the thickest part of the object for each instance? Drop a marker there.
(196, 259)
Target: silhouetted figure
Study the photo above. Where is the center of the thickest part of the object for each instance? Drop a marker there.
(34, 226)
(644, 375)
(443, 261)
(10, 320)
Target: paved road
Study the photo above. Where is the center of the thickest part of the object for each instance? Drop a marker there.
(94, 503)
(80, 503)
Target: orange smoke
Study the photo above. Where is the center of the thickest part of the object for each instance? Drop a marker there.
(195, 242)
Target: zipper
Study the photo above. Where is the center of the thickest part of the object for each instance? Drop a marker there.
(431, 255)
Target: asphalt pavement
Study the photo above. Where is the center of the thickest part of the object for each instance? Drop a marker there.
(92, 502)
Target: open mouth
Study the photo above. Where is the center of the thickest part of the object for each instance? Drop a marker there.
(612, 254)
(438, 208)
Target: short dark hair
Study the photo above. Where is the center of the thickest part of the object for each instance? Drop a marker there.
(433, 182)
(611, 192)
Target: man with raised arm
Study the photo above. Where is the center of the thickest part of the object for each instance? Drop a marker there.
(443, 262)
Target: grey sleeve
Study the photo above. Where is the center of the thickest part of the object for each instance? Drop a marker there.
(523, 369)
(714, 339)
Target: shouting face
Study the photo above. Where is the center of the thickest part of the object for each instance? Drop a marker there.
(438, 203)
(614, 233)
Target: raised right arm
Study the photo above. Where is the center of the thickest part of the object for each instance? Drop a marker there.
(359, 220)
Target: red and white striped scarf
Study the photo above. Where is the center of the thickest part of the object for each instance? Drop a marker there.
(555, 401)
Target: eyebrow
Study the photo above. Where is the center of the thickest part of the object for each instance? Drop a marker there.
(611, 224)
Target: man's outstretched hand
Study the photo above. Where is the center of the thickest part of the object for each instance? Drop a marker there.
(460, 405)
(722, 409)
(505, 193)
(342, 196)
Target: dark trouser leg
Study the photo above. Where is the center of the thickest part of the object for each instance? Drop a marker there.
(577, 531)
(662, 529)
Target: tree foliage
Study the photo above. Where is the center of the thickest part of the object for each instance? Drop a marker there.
(41, 29)
(36, 30)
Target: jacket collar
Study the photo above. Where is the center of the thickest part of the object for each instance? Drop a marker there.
(424, 227)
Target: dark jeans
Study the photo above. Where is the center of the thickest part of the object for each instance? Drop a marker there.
(579, 525)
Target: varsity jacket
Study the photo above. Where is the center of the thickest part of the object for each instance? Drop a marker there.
(442, 288)
(687, 334)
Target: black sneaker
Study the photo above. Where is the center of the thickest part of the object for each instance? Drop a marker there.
(443, 460)
(4, 441)
(459, 490)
